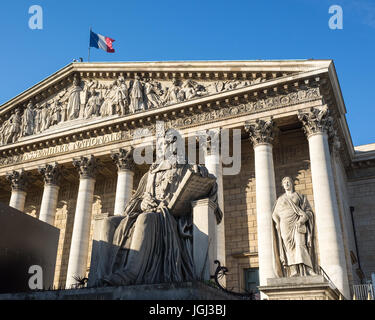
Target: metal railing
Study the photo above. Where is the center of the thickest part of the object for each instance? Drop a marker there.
(325, 275)
(363, 292)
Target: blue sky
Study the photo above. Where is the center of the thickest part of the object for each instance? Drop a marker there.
(196, 30)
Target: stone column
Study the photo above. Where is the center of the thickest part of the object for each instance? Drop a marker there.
(317, 124)
(18, 180)
(214, 166)
(87, 167)
(123, 159)
(261, 135)
(51, 175)
(204, 234)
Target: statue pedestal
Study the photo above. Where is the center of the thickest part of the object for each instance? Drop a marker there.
(96, 237)
(300, 288)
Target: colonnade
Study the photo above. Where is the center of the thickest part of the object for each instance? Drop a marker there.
(317, 125)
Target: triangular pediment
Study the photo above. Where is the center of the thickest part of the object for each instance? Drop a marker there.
(85, 93)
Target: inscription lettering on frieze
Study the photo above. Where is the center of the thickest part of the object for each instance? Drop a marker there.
(69, 147)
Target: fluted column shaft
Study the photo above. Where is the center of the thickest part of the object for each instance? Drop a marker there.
(261, 136)
(51, 175)
(317, 124)
(18, 199)
(77, 265)
(123, 159)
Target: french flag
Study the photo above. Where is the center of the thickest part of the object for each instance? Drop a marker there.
(102, 42)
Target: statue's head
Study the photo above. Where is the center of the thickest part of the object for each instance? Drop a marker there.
(120, 79)
(287, 183)
(173, 147)
(75, 81)
(169, 139)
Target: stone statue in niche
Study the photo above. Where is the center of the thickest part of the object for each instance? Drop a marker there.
(293, 234)
(136, 96)
(28, 120)
(150, 243)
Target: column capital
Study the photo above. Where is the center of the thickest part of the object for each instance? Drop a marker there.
(18, 180)
(123, 158)
(260, 131)
(51, 173)
(87, 166)
(316, 120)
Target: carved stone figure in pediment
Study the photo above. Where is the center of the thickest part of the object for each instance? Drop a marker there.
(293, 234)
(37, 118)
(136, 96)
(54, 112)
(174, 94)
(192, 90)
(151, 92)
(93, 104)
(14, 127)
(106, 108)
(28, 120)
(74, 101)
(121, 96)
(4, 131)
(44, 118)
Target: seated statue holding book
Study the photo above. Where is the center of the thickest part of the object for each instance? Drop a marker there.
(152, 241)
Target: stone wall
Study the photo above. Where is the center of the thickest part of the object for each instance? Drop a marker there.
(362, 195)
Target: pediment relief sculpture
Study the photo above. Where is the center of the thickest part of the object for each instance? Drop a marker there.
(93, 98)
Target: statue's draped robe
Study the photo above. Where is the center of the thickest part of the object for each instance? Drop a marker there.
(74, 103)
(109, 100)
(292, 245)
(137, 96)
(28, 122)
(151, 246)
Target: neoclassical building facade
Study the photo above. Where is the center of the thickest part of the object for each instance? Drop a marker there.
(67, 156)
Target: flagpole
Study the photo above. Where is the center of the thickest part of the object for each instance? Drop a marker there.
(88, 58)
